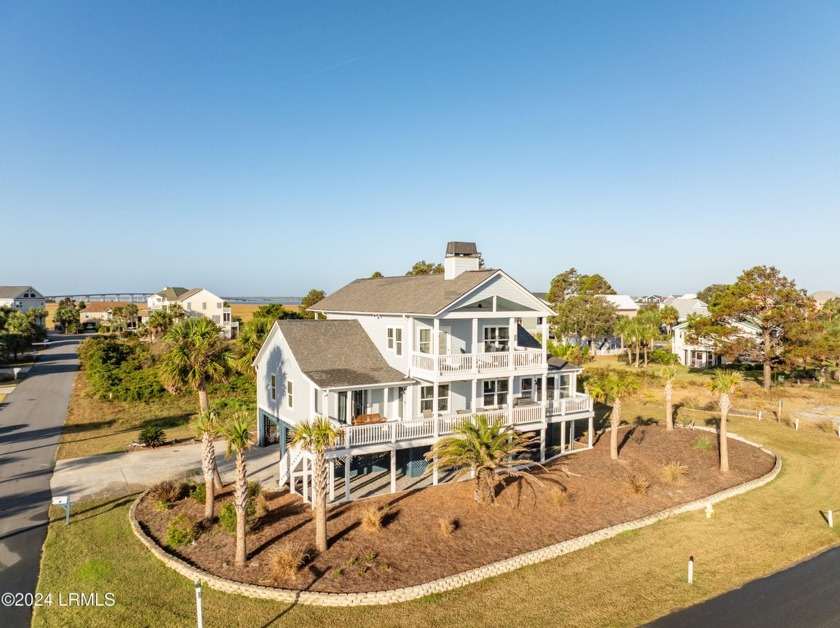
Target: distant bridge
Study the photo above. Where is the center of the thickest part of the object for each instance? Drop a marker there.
(140, 297)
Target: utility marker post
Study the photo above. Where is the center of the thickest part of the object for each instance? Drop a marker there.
(690, 569)
(830, 519)
(797, 424)
(198, 604)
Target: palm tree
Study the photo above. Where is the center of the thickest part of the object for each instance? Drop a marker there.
(723, 384)
(485, 450)
(238, 434)
(629, 329)
(130, 310)
(670, 316)
(648, 323)
(668, 373)
(159, 323)
(176, 311)
(250, 340)
(615, 386)
(197, 355)
(315, 436)
(206, 426)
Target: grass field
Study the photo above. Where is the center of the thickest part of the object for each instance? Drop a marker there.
(96, 427)
(245, 311)
(621, 582)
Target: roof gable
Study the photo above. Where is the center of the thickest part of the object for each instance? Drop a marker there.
(17, 292)
(510, 297)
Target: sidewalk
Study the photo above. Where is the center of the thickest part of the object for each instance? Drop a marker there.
(121, 474)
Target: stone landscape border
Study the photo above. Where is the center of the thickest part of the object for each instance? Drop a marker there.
(450, 582)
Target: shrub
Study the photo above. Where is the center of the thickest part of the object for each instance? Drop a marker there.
(199, 492)
(166, 492)
(684, 420)
(181, 530)
(286, 560)
(673, 472)
(152, 436)
(638, 435)
(559, 497)
(662, 356)
(227, 518)
(447, 526)
(372, 518)
(254, 490)
(638, 484)
(261, 508)
(702, 443)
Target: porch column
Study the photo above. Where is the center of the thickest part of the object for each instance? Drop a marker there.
(563, 427)
(332, 479)
(436, 350)
(474, 400)
(347, 460)
(434, 471)
(393, 470)
(512, 339)
(474, 345)
(544, 334)
(510, 396)
(542, 444)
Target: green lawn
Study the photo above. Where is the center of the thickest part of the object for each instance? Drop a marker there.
(624, 581)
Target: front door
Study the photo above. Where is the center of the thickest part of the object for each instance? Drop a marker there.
(401, 403)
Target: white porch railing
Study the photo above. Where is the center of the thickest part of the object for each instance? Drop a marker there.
(417, 429)
(477, 362)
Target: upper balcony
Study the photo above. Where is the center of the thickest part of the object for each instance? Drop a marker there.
(429, 366)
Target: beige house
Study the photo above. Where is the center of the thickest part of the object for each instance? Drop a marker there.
(196, 302)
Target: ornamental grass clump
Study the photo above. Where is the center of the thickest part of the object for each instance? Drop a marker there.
(372, 519)
(166, 492)
(152, 436)
(702, 443)
(447, 526)
(286, 559)
(674, 472)
(638, 484)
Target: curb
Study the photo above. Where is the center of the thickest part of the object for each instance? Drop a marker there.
(450, 582)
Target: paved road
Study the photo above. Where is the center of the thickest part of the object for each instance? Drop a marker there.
(807, 594)
(30, 427)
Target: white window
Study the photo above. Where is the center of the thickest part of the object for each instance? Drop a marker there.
(395, 340)
(317, 404)
(427, 398)
(204, 305)
(527, 388)
(496, 339)
(425, 344)
(218, 305)
(273, 387)
(565, 385)
(226, 317)
(495, 392)
(289, 395)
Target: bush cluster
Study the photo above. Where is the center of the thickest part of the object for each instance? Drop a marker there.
(120, 369)
(181, 531)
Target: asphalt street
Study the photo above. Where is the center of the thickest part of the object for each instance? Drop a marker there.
(30, 426)
(805, 595)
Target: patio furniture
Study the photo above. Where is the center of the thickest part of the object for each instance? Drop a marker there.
(367, 419)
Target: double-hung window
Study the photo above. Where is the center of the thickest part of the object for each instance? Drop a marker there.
(496, 339)
(395, 340)
(527, 388)
(290, 399)
(427, 398)
(425, 344)
(495, 392)
(273, 387)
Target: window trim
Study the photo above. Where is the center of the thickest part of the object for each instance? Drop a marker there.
(444, 394)
(290, 394)
(496, 338)
(273, 387)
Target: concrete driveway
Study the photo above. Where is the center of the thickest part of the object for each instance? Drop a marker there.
(115, 475)
(30, 427)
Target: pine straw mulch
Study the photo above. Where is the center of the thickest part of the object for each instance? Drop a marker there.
(411, 547)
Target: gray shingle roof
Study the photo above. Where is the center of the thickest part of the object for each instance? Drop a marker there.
(424, 294)
(558, 364)
(337, 353)
(10, 292)
(461, 248)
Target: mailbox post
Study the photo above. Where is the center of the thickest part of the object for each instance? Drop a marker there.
(64, 502)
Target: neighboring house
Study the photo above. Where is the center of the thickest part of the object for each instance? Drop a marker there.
(821, 296)
(22, 298)
(196, 302)
(624, 304)
(401, 361)
(702, 354)
(688, 305)
(98, 312)
(651, 298)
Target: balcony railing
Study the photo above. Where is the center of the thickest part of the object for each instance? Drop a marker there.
(477, 362)
(418, 429)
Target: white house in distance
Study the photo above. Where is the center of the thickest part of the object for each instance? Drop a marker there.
(196, 302)
(401, 361)
(702, 354)
(688, 305)
(21, 298)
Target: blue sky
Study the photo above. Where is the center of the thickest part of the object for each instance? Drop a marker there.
(269, 148)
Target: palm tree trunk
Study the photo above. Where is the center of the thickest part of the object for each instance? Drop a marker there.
(646, 354)
(203, 401)
(768, 373)
(208, 461)
(724, 448)
(320, 489)
(615, 419)
(240, 502)
(637, 352)
(669, 406)
(484, 492)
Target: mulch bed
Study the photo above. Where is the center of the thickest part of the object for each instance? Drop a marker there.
(411, 549)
